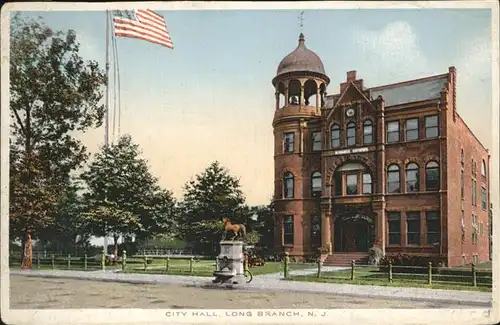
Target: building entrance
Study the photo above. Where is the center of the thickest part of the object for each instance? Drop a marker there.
(353, 233)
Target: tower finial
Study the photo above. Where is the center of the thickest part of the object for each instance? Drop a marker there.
(301, 21)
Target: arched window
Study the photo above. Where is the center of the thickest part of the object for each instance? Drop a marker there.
(335, 136)
(432, 176)
(412, 179)
(351, 134)
(288, 185)
(367, 132)
(483, 169)
(393, 179)
(316, 184)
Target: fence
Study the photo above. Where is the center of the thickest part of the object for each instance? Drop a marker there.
(175, 264)
(371, 274)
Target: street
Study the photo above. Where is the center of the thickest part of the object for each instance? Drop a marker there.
(40, 293)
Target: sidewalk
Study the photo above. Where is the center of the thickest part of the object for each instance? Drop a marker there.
(273, 282)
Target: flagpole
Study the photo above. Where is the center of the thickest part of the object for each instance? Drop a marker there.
(106, 117)
(106, 125)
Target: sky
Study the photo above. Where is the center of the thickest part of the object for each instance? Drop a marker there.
(211, 97)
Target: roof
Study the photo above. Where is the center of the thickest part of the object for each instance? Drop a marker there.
(406, 92)
(413, 92)
(301, 59)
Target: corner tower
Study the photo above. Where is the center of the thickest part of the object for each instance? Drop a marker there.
(300, 89)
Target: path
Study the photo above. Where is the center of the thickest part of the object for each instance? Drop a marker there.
(272, 282)
(57, 293)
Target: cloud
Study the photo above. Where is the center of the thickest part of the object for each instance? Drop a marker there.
(392, 52)
(474, 63)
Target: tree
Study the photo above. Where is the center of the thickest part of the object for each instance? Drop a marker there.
(264, 224)
(208, 198)
(123, 197)
(67, 233)
(53, 94)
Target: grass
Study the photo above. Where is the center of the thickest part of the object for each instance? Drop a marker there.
(372, 276)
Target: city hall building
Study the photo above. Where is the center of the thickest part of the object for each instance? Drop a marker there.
(392, 166)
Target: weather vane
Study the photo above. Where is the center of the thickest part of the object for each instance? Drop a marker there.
(301, 21)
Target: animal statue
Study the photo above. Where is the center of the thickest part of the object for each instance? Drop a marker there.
(236, 229)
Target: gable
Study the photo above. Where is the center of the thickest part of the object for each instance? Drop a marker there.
(350, 96)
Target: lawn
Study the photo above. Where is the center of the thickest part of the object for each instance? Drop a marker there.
(372, 276)
(204, 267)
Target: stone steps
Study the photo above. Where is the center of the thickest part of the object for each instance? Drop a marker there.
(345, 259)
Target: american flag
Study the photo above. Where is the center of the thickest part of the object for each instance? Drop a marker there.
(142, 24)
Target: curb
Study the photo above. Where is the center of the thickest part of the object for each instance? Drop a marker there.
(200, 282)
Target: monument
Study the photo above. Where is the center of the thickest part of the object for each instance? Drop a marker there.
(230, 268)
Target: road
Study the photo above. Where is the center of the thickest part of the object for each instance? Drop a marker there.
(46, 293)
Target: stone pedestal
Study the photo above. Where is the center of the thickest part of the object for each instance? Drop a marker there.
(229, 264)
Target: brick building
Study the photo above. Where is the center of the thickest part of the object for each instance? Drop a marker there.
(392, 166)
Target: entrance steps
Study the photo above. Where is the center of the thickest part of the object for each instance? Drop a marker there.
(345, 259)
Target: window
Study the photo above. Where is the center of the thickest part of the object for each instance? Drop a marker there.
(288, 230)
(413, 228)
(481, 229)
(412, 129)
(474, 229)
(335, 136)
(316, 231)
(483, 169)
(474, 192)
(462, 158)
(367, 132)
(473, 168)
(393, 181)
(483, 198)
(462, 223)
(316, 184)
(433, 227)
(393, 131)
(475, 259)
(316, 141)
(288, 185)
(394, 220)
(351, 134)
(367, 183)
(431, 126)
(462, 185)
(412, 178)
(432, 176)
(352, 184)
(289, 139)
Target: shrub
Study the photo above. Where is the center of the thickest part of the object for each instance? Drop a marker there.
(375, 255)
(402, 263)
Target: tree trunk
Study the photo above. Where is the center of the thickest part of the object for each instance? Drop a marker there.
(26, 262)
(115, 238)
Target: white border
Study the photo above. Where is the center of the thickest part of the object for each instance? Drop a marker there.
(339, 316)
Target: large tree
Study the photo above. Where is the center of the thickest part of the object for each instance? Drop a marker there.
(208, 198)
(67, 233)
(54, 93)
(123, 197)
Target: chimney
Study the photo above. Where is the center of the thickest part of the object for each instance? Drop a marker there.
(351, 75)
